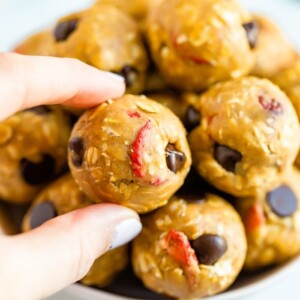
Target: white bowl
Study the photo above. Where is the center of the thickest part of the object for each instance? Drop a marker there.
(245, 286)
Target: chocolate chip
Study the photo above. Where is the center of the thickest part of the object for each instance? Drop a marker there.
(175, 159)
(252, 31)
(192, 118)
(76, 146)
(282, 201)
(227, 157)
(209, 248)
(36, 173)
(130, 75)
(41, 213)
(39, 110)
(63, 30)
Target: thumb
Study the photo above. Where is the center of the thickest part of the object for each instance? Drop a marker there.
(62, 250)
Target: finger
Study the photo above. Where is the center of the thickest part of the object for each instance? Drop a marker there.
(27, 81)
(62, 250)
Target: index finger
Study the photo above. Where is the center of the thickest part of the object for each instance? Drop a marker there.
(27, 81)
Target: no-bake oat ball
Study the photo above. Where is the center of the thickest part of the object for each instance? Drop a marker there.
(272, 222)
(106, 38)
(248, 136)
(131, 151)
(33, 149)
(196, 43)
(63, 196)
(190, 248)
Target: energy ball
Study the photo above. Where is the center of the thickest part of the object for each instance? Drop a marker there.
(273, 52)
(131, 151)
(248, 136)
(196, 43)
(190, 248)
(63, 196)
(105, 38)
(272, 222)
(33, 150)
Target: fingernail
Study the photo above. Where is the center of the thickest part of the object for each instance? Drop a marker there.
(115, 76)
(125, 232)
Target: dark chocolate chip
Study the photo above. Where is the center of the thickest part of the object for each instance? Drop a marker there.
(36, 173)
(130, 75)
(282, 201)
(41, 213)
(39, 110)
(175, 159)
(252, 31)
(76, 146)
(192, 118)
(63, 30)
(227, 157)
(209, 248)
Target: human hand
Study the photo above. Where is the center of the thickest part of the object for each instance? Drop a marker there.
(39, 263)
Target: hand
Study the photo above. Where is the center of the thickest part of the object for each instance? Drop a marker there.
(39, 263)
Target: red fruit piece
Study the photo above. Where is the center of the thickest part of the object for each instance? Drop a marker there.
(136, 156)
(197, 60)
(134, 114)
(255, 217)
(272, 105)
(179, 248)
(137, 150)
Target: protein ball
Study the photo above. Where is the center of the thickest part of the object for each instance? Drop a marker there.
(131, 151)
(196, 43)
(190, 248)
(248, 137)
(106, 38)
(272, 222)
(33, 150)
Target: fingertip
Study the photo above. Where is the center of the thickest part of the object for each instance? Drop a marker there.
(126, 231)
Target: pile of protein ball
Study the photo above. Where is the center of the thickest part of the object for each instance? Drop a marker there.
(200, 78)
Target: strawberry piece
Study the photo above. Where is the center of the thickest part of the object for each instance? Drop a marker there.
(255, 217)
(272, 105)
(137, 150)
(134, 114)
(136, 156)
(179, 248)
(197, 60)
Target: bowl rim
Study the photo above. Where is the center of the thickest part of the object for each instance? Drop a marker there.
(77, 290)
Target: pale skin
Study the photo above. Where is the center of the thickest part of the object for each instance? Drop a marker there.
(41, 262)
